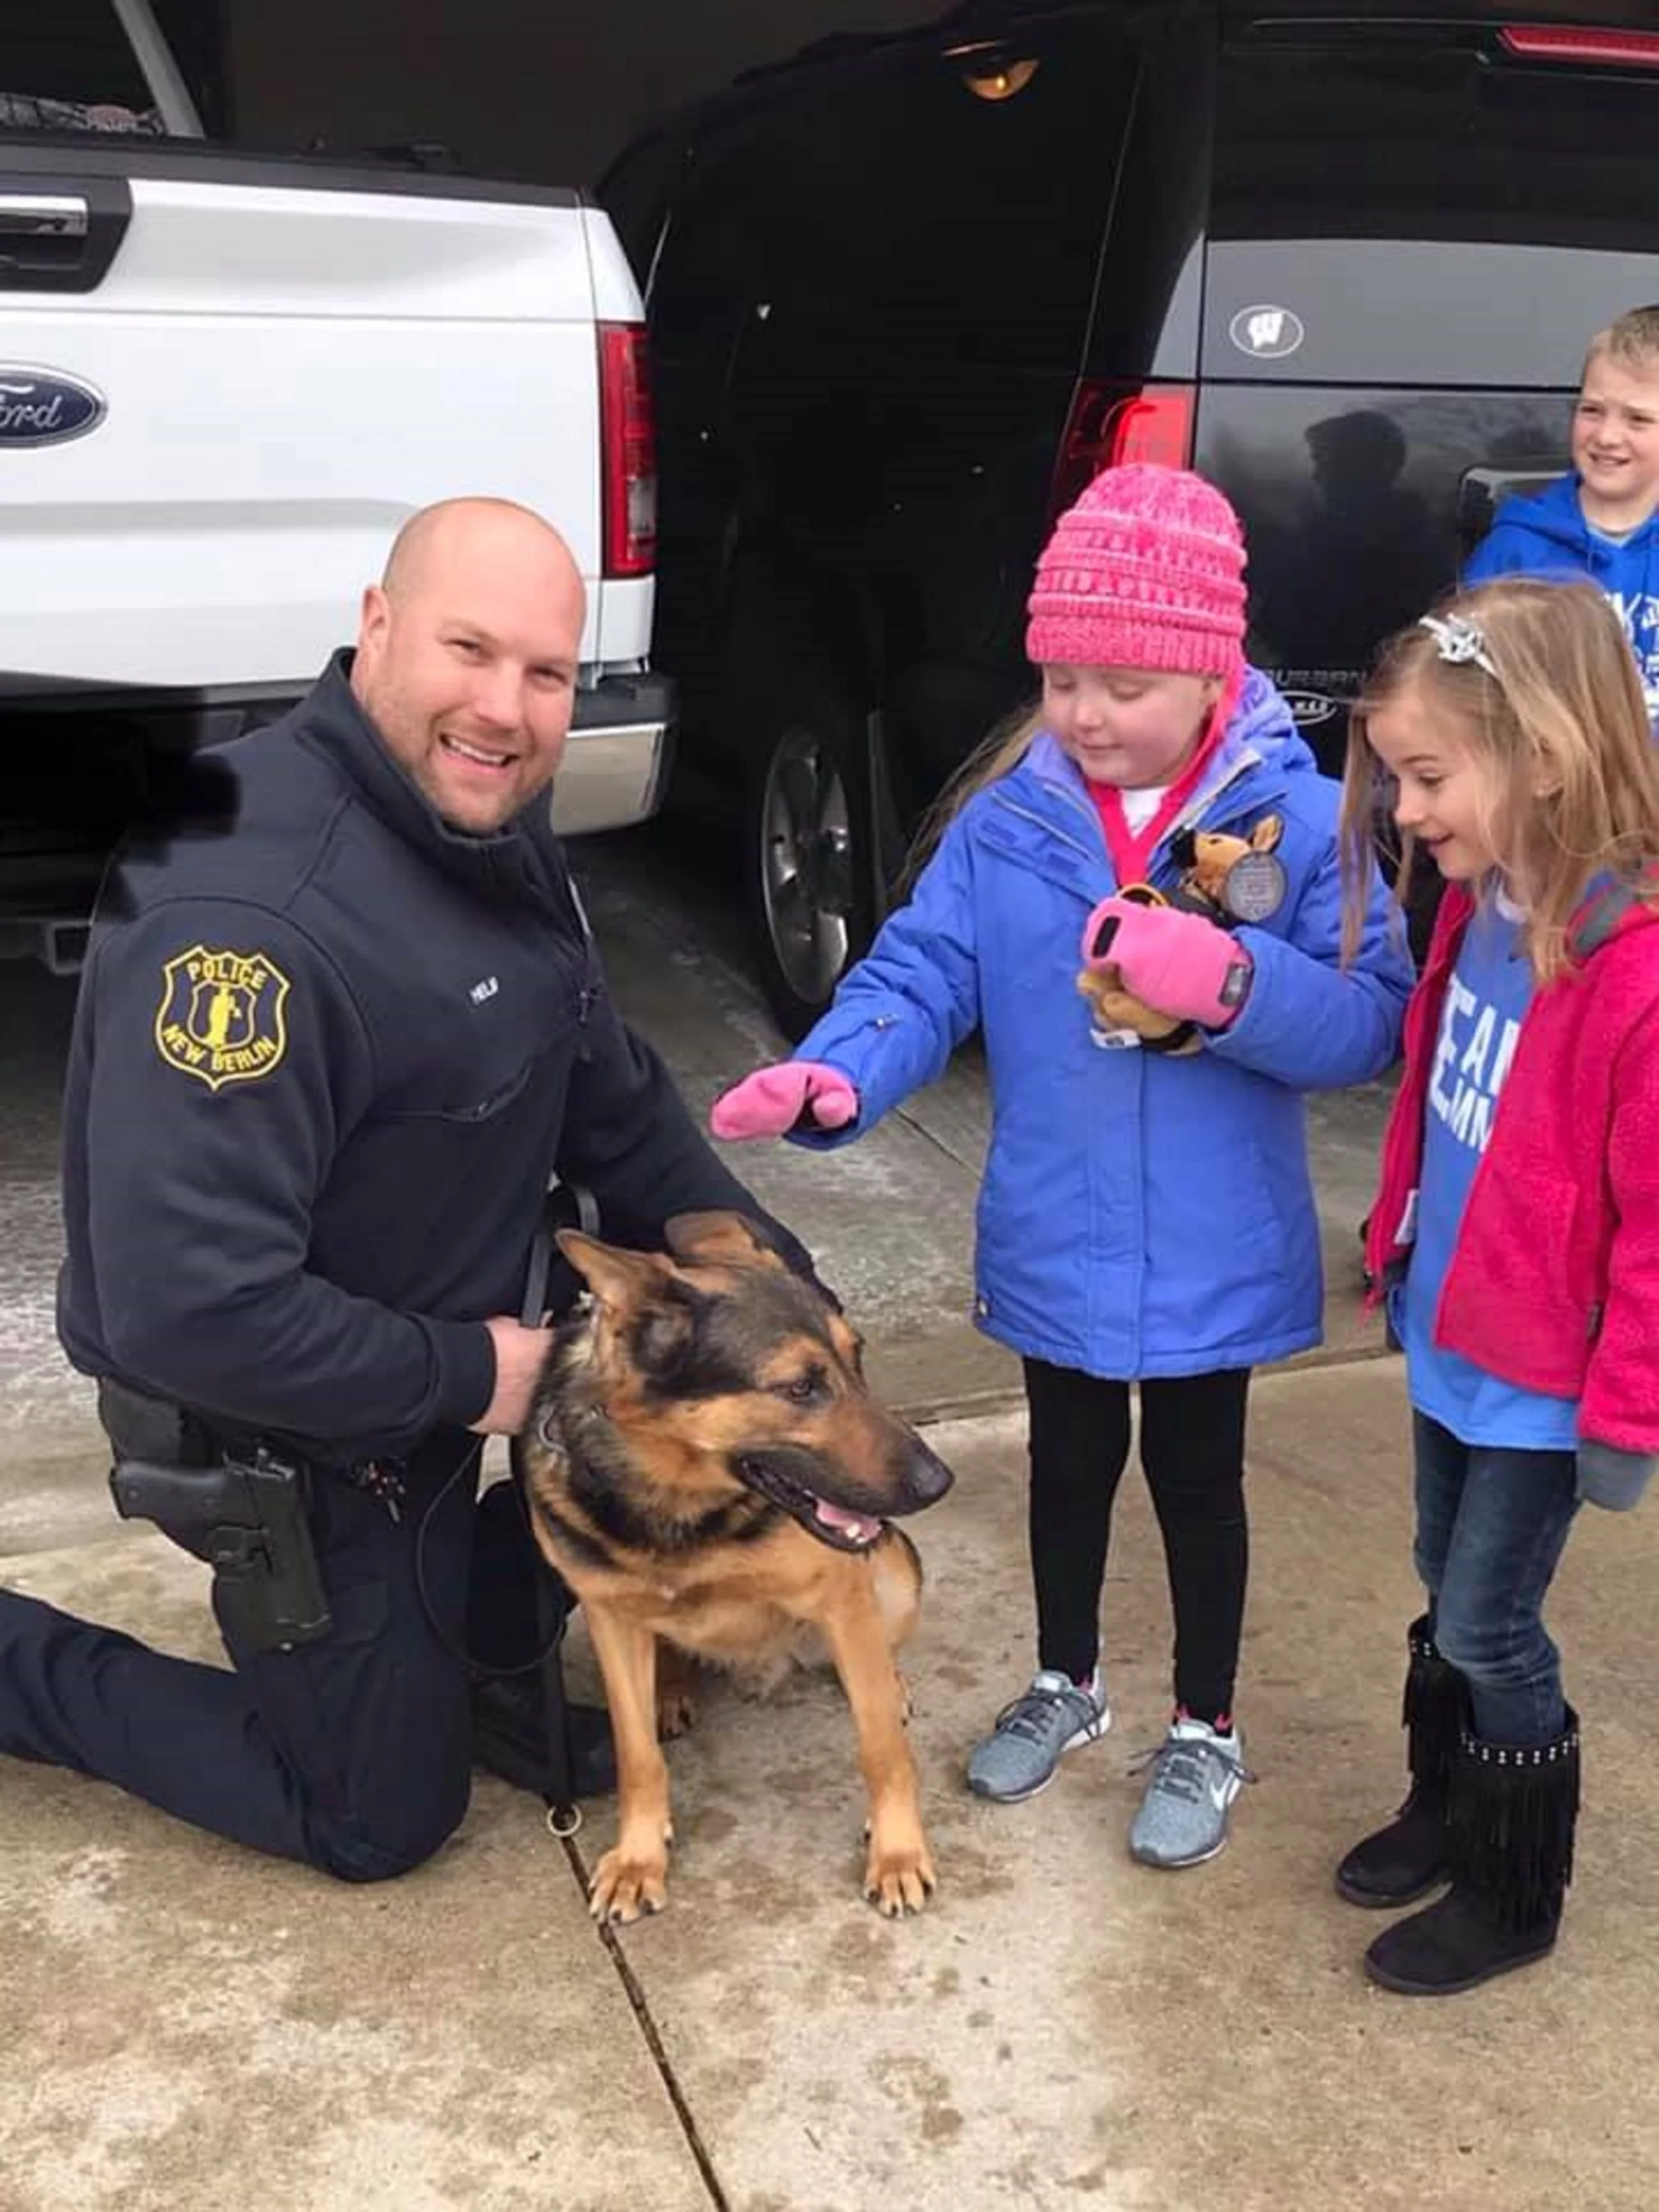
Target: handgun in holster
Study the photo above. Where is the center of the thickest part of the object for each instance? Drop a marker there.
(244, 1513)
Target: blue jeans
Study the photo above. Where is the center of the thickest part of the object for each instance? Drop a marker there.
(1491, 1525)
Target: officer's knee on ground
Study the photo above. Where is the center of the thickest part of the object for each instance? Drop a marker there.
(388, 1841)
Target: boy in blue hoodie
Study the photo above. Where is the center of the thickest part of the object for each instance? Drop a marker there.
(1601, 519)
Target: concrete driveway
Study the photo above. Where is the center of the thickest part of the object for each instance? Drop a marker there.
(190, 2026)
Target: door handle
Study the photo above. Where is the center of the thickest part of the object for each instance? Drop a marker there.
(60, 233)
(44, 215)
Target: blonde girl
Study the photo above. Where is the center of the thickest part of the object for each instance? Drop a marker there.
(1516, 1230)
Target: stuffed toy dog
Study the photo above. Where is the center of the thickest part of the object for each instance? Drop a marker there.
(1224, 878)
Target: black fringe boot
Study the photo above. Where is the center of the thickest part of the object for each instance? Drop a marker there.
(1512, 1820)
(1403, 1862)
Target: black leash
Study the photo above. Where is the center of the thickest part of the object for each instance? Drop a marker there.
(534, 1309)
(564, 1814)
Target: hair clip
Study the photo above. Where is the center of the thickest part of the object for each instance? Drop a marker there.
(1458, 640)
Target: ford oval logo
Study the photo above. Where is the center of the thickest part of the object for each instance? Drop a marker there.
(42, 407)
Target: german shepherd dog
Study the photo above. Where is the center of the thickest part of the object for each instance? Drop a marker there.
(706, 1468)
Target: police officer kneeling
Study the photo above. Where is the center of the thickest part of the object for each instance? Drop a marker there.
(324, 1058)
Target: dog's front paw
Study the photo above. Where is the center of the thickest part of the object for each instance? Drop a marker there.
(625, 1884)
(899, 1877)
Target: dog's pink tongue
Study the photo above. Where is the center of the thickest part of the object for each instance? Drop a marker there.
(861, 1530)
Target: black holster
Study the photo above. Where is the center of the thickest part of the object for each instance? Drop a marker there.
(242, 1509)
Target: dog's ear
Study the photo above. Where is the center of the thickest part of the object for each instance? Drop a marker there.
(717, 1240)
(622, 1281)
(640, 1294)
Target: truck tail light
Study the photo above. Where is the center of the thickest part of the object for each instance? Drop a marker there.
(628, 441)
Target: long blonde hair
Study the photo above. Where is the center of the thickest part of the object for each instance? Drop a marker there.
(1560, 731)
(996, 755)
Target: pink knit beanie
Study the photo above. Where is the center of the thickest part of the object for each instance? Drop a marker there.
(1146, 571)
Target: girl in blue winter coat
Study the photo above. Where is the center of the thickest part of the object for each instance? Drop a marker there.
(1146, 1216)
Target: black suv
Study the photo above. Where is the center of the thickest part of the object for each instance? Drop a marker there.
(907, 293)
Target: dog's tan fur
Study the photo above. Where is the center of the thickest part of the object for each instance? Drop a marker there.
(640, 1502)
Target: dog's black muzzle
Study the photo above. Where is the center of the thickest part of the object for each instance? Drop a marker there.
(815, 1490)
(926, 1477)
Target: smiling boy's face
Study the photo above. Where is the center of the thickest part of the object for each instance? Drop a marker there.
(1615, 442)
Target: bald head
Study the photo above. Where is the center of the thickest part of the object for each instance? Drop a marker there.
(467, 656)
(469, 532)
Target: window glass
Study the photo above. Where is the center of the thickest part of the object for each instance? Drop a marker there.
(1413, 200)
(70, 67)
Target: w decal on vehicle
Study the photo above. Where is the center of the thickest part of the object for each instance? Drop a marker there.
(1267, 333)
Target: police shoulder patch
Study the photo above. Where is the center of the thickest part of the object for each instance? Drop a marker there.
(220, 1017)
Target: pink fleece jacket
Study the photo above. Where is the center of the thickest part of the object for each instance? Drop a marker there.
(1554, 1285)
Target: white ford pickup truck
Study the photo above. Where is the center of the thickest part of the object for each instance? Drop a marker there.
(225, 379)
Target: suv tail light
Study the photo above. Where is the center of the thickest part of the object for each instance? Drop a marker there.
(628, 434)
(1108, 426)
(1570, 42)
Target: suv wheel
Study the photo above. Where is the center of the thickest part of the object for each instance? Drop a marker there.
(810, 859)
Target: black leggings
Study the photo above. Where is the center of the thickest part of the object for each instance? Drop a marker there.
(1192, 1447)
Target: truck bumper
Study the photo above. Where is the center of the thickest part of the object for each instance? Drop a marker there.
(616, 759)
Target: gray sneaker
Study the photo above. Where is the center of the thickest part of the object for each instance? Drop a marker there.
(1033, 1734)
(1196, 1774)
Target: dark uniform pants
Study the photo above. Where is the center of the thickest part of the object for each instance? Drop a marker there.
(352, 1753)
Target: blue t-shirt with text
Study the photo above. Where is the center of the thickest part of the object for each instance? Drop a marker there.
(1491, 989)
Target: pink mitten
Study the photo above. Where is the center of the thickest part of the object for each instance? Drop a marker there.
(769, 1103)
(1177, 963)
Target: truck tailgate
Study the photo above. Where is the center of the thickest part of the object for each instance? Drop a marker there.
(290, 361)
